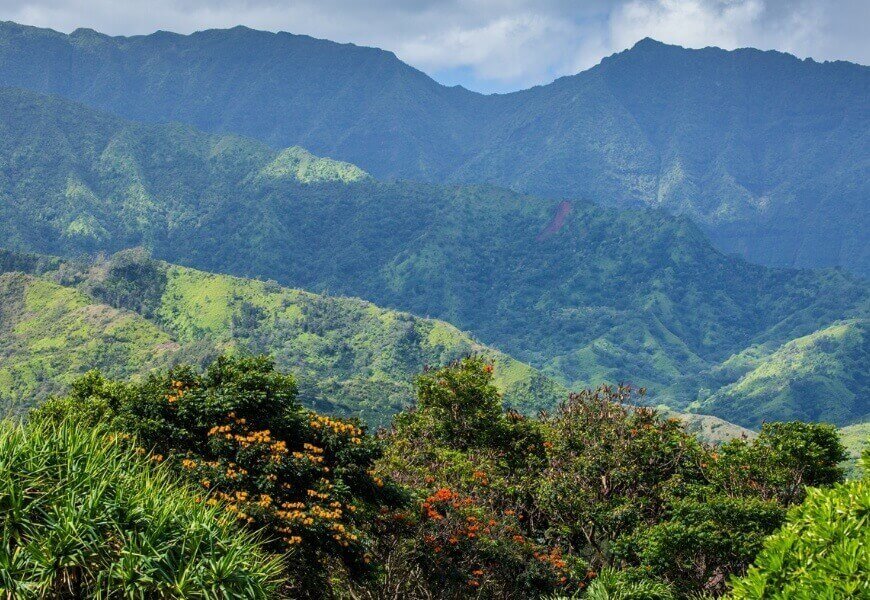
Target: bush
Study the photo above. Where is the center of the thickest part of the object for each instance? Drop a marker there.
(823, 551)
(83, 516)
(627, 585)
(699, 542)
(238, 432)
(781, 462)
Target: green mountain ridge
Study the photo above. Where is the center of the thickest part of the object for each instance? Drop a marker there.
(129, 315)
(830, 363)
(765, 151)
(350, 357)
(583, 293)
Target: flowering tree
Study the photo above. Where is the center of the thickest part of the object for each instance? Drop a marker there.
(239, 433)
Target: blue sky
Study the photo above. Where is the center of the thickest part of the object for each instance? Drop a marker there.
(492, 45)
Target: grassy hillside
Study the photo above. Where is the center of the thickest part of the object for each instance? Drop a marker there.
(766, 151)
(349, 356)
(855, 438)
(819, 377)
(583, 293)
(50, 334)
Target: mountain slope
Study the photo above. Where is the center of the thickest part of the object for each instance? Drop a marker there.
(855, 438)
(584, 293)
(349, 356)
(765, 151)
(51, 334)
(831, 364)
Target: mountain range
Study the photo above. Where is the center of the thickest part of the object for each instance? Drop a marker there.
(586, 294)
(129, 315)
(765, 152)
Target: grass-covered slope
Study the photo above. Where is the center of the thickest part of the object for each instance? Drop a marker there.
(822, 376)
(855, 438)
(51, 334)
(583, 293)
(765, 150)
(130, 314)
(349, 356)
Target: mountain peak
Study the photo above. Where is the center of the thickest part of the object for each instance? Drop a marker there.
(648, 42)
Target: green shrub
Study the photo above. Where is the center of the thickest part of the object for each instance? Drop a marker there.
(822, 552)
(238, 432)
(627, 585)
(81, 515)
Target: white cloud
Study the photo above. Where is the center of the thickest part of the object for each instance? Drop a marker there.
(491, 44)
(691, 23)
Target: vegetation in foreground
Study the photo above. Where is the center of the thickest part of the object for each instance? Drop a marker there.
(823, 551)
(461, 498)
(83, 515)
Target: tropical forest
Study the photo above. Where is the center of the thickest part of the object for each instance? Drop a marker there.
(289, 318)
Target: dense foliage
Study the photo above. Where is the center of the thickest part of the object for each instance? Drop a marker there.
(512, 506)
(238, 432)
(766, 150)
(591, 296)
(823, 551)
(82, 516)
(460, 498)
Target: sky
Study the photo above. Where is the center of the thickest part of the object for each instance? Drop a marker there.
(491, 45)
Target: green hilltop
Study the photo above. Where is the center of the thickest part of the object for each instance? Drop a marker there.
(51, 334)
(830, 363)
(855, 438)
(582, 293)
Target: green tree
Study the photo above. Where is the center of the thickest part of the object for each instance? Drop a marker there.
(238, 432)
(822, 552)
(464, 405)
(611, 468)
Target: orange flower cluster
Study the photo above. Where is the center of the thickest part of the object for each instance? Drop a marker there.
(176, 393)
(337, 426)
(234, 473)
(315, 517)
(430, 510)
(554, 558)
(481, 477)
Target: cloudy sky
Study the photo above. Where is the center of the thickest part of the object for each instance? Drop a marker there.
(491, 45)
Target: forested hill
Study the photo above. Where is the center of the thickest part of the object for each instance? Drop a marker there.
(128, 315)
(767, 152)
(586, 294)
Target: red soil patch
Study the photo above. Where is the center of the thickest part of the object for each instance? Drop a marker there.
(556, 222)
